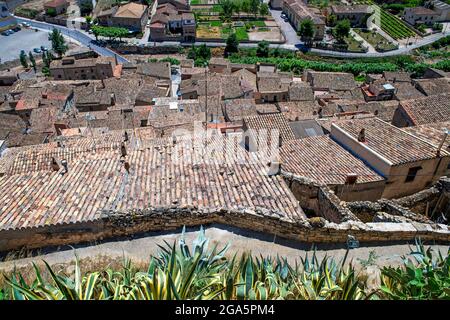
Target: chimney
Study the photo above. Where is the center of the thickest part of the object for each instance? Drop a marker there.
(125, 136)
(362, 135)
(320, 112)
(174, 140)
(64, 164)
(351, 178)
(280, 141)
(438, 153)
(274, 168)
(126, 165)
(54, 165)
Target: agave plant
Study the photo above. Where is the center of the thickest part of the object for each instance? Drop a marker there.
(425, 277)
(63, 287)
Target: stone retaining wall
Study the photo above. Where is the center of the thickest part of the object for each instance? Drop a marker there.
(114, 224)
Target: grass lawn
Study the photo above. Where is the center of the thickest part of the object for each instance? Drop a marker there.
(241, 33)
(376, 40)
(215, 23)
(353, 45)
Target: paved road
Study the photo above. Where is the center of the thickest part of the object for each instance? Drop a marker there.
(289, 32)
(139, 248)
(82, 38)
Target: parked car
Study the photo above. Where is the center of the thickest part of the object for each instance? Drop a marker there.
(283, 15)
(37, 50)
(17, 28)
(286, 19)
(44, 48)
(5, 33)
(26, 24)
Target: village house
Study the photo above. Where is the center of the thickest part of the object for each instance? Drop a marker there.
(178, 4)
(82, 69)
(420, 15)
(442, 8)
(219, 65)
(133, 16)
(324, 161)
(437, 134)
(297, 11)
(422, 111)
(266, 132)
(172, 23)
(430, 87)
(57, 6)
(356, 14)
(408, 163)
(7, 78)
(236, 110)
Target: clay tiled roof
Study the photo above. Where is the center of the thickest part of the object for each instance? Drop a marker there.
(300, 91)
(432, 87)
(405, 91)
(394, 144)
(302, 110)
(428, 109)
(131, 10)
(99, 182)
(432, 132)
(332, 80)
(270, 122)
(354, 9)
(324, 161)
(237, 109)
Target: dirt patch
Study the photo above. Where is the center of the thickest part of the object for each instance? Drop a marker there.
(273, 34)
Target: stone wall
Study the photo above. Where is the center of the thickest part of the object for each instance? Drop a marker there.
(114, 224)
(318, 198)
(426, 200)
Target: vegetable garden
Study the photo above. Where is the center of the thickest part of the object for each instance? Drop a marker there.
(394, 27)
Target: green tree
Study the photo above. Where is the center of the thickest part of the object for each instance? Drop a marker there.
(58, 43)
(306, 31)
(331, 20)
(50, 12)
(232, 44)
(263, 49)
(264, 9)
(245, 6)
(88, 22)
(237, 7)
(227, 7)
(23, 59)
(254, 6)
(86, 7)
(32, 60)
(342, 30)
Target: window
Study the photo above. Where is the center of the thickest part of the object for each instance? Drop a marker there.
(412, 172)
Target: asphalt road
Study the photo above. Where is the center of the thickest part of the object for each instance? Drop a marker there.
(76, 35)
(25, 39)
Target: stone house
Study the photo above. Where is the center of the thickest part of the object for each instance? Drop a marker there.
(356, 14)
(60, 6)
(408, 163)
(297, 11)
(83, 69)
(133, 16)
(420, 15)
(422, 111)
